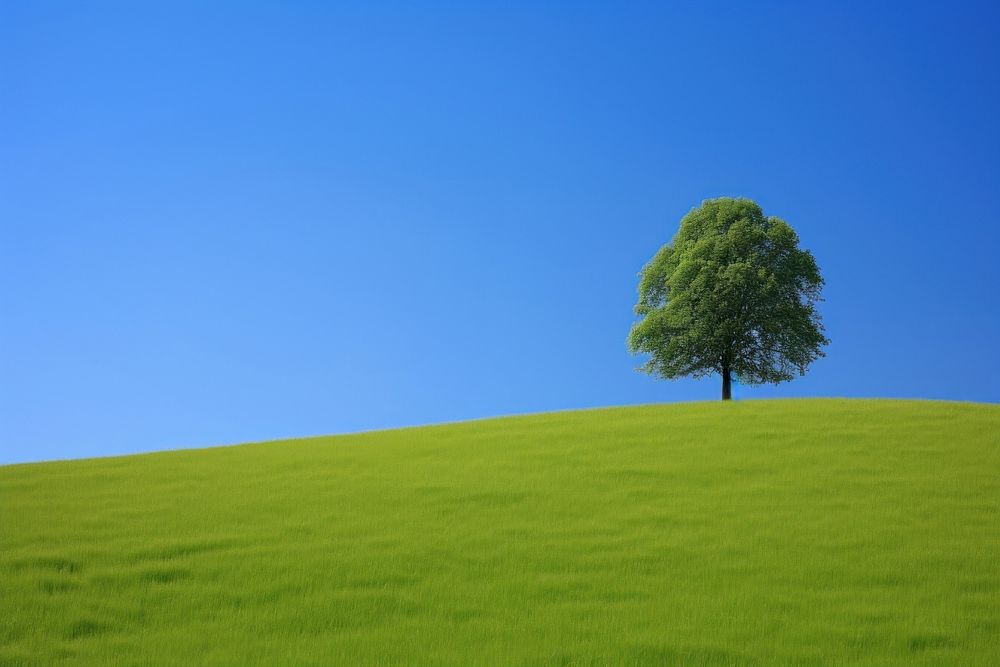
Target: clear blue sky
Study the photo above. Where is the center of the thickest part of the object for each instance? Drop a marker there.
(254, 221)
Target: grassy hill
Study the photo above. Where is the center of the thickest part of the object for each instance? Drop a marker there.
(819, 532)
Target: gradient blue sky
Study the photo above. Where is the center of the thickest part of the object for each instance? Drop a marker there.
(251, 221)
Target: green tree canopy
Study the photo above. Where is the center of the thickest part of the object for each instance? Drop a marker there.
(732, 294)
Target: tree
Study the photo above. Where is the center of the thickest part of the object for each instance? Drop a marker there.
(733, 294)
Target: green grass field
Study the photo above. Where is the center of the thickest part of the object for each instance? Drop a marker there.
(818, 532)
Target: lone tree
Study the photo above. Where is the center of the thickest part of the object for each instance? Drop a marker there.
(733, 294)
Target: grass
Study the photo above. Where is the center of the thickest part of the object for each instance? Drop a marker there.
(819, 532)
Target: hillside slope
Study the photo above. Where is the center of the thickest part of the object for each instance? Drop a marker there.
(815, 532)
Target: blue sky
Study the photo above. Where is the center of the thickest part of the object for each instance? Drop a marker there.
(260, 220)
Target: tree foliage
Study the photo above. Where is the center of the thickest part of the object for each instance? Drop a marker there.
(731, 294)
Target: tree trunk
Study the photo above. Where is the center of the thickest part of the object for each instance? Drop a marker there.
(727, 384)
